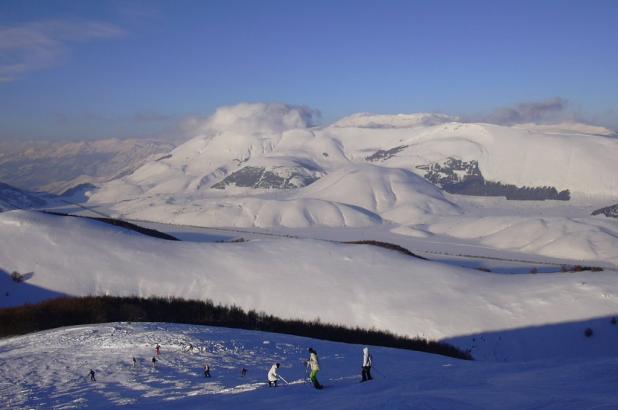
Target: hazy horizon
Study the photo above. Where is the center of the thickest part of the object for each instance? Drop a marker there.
(83, 70)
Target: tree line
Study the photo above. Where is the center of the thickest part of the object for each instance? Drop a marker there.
(71, 311)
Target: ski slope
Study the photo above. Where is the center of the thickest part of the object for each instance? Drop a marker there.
(50, 370)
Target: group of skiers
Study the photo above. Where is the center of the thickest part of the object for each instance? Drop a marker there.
(312, 364)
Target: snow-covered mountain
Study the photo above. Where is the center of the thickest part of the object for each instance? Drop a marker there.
(268, 166)
(266, 151)
(55, 166)
(50, 370)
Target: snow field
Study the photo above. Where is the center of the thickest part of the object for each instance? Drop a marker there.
(305, 279)
(50, 370)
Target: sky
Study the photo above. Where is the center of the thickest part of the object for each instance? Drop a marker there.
(97, 69)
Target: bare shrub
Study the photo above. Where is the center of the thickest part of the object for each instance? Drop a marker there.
(17, 277)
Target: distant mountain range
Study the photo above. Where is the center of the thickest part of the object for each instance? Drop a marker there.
(266, 165)
(55, 166)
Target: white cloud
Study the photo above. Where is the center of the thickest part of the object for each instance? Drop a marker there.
(37, 45)
(254, 118)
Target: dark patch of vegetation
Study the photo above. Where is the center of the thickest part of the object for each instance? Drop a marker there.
(258, 177)
(386, 245)
(588, 332)
(69, 311)
(17, 277)
(383, 155)
(123, 224)
(580, 268)
(447, 176)
(609, 211)
(164, 157)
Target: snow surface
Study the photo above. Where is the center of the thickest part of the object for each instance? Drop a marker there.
(354, 192)
(356, 285)
(527, 331)
(50, 370)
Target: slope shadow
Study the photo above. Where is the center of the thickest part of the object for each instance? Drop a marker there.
(595, 337)
(19, 293)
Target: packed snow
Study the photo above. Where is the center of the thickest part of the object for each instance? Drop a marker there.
(51, 370)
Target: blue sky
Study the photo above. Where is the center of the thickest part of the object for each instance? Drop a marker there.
(93, 69)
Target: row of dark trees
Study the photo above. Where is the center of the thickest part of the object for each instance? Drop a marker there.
(480, 187)
(70, 311)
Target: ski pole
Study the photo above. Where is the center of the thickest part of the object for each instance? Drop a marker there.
(379, 373)
(285, 381)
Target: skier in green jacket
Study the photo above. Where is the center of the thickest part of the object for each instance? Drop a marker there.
(315, 367)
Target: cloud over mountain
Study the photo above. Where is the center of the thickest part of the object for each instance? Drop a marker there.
(552, 109)
(255, 118)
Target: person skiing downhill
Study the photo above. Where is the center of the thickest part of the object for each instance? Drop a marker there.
(206, 370)
(366, 369)
(315, 367)
(273, 376)
(154, 362)
(92, 376)
(158, 349)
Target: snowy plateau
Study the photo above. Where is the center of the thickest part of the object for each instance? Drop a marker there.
(505, 274)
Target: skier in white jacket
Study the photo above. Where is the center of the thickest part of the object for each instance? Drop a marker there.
(366, 371)
(273, 376)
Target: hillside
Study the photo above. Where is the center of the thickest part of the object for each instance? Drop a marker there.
(358, 285)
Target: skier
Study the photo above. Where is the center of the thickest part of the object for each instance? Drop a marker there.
(273, 376)
(206, 370)
(134, 362)
(158, 349)
(154, 362)
(315, 367)
(243, 372)
(92, 376)
(366, 370)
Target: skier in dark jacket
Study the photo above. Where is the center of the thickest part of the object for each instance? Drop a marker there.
(206, 370)
(92, 376)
